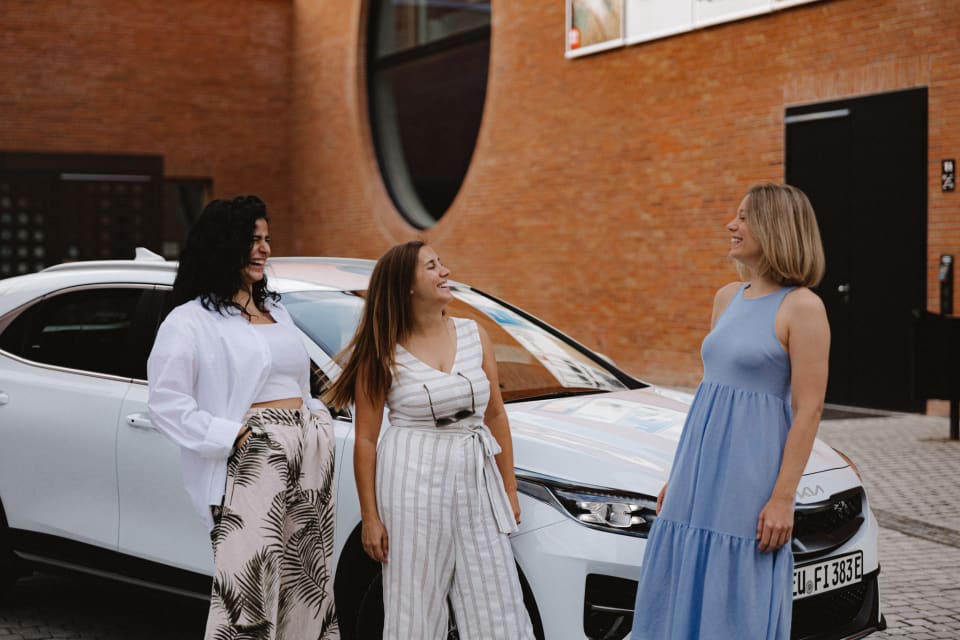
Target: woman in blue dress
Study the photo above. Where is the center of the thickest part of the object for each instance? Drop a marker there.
(718, 564)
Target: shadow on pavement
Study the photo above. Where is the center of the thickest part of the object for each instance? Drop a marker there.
(83, 607)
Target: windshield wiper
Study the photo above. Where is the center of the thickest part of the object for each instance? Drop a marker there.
(557, 394)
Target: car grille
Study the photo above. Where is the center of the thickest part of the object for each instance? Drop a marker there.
(837, 613)
(608, 607)
(824, 526)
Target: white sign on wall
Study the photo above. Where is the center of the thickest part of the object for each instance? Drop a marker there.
(708, 12)
(783, 4)
(598, 25)
(593, 25)
(651, 19)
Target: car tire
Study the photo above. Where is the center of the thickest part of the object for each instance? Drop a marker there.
(370, 615)
(358, 588)
(369, 620)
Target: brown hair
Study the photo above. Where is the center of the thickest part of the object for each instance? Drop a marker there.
(387, 319)
(782, 220)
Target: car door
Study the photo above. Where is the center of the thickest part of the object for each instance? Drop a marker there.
(326, 320)
(63, 380)
(157, 521)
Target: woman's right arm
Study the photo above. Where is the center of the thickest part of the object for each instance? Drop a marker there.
(172, 373)
(720, 301)
(368, 413)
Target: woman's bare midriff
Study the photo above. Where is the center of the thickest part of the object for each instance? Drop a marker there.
(282, 403)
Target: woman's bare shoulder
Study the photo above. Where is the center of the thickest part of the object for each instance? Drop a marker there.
(804, 300)
(722, 298)
(804, 308)
(725, 294)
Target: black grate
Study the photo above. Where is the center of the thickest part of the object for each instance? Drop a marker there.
(608, 607)
(24, 232)
(828, 611)
(820, 528)
(63, 207)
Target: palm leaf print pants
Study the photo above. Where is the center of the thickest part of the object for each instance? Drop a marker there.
(273, 536)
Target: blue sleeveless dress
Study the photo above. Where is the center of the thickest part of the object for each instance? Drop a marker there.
(702, 575)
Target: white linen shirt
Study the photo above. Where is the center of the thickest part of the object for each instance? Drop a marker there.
(203, 374)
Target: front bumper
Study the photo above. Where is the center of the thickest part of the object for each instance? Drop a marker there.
(851, 612)
(556, 560)
(848, 613)
(584, 581)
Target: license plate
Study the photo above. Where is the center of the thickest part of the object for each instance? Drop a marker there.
(819, 577)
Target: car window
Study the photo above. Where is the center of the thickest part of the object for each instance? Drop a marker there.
(531, 361)
(329, 318)
(153, 309)
(90, 330)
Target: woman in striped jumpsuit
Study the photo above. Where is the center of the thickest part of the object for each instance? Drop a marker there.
(438, 495)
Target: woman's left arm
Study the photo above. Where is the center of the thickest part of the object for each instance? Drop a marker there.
(808, 345)
(495, 418)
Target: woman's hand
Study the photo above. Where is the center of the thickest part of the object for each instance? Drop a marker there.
(775, 524)
(245, 432)
(374, 537)
(660, 497)
(514, 503)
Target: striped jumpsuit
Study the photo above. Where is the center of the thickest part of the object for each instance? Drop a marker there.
(441, 497)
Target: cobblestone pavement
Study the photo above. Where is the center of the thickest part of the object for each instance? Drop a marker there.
(45, 607)
(912, 474)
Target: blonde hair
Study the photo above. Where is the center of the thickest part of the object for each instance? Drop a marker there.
(782, 220)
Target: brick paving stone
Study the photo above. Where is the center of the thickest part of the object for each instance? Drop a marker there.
(909, 466)
(912, 475)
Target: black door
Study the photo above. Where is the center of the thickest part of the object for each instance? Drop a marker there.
(863, 163)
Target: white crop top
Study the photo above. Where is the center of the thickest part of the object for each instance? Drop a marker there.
(288, 359)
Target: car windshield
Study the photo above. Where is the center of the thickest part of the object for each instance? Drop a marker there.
(532, 361)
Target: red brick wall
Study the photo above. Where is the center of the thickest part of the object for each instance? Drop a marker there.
(600, 186)
(204, 83)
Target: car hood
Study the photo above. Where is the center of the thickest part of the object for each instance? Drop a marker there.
(622, 440)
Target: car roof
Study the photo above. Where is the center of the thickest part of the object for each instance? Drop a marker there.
(344, 274)
(287, 274)
(334, 273)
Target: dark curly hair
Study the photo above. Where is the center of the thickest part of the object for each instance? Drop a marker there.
(217, 251)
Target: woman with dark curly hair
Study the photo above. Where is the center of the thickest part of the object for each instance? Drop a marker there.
(229, 383)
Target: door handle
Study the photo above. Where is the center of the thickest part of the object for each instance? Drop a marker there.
(140, 421)
(844, 290)
(4, 398)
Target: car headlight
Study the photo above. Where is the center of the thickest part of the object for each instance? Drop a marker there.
(609, 510)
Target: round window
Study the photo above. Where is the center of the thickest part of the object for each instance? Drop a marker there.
(427, 82)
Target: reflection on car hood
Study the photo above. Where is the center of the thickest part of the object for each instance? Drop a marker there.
(623, 440)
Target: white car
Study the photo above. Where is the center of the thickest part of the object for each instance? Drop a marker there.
(87, 483)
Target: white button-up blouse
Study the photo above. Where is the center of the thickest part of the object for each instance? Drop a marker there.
(203, 374)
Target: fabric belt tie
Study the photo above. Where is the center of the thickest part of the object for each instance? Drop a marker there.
(485, 448)
(488, 474)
